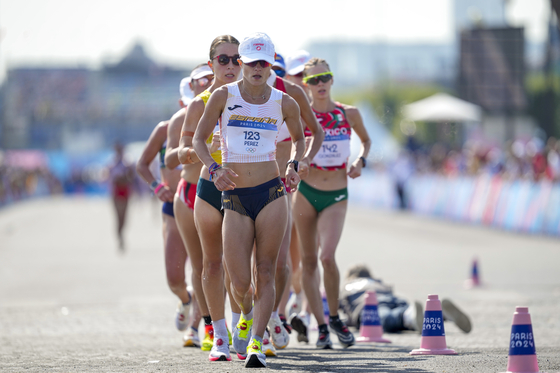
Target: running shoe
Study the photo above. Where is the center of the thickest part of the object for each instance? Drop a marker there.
(279, 336)
(345, 336)
(267, 347)
(452, 313)
(242, 335)
(255, 356)
(298, 324)
(220, 351)
(324, 340)
(182, 316)
(287, 326)
(191, 339)
(208, 340)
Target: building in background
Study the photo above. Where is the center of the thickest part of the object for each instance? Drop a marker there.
(81, 110)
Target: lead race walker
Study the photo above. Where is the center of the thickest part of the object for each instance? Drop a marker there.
(253, 195)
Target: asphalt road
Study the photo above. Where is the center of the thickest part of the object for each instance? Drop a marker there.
(69, 302)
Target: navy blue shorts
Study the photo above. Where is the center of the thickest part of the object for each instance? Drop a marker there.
(167, 208)
(250, 201)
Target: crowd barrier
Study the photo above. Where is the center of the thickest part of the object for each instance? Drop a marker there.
(520, 205)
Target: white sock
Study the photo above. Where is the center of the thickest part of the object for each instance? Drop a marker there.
(248, 316)
(235, 319)
(220, 329)
(274, 315)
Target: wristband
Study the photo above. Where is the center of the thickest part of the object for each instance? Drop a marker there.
(213, 168)
(156, 190)
(363, 161)
(154, 184)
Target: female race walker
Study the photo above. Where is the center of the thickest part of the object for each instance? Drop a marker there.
(121, 180)
(201, 79)
(321, 200)
(207, 206)
(174, 249)
(250, 113)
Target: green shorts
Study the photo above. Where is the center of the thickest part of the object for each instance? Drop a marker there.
(321, 199)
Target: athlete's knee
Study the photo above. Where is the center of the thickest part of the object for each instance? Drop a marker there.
(176, 282)
(328, 261)
(265, 272)
(213, 268)
(309, 263)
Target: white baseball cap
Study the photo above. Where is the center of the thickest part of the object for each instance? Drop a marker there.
(201, 71)
(185, 90)
(295, 62)
(256, 47)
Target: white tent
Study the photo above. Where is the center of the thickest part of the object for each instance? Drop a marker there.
(442, 107)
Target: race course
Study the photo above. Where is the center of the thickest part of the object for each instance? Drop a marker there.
(70, 302)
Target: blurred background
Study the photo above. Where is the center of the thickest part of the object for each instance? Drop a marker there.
(461, 97)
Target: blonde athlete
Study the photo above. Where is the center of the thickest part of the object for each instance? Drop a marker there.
(321, 200)
(208, 215)
(277, 329)
(183, 202)
(250, 113)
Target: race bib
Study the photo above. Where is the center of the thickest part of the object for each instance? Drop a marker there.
(335, 149)
(251, 135)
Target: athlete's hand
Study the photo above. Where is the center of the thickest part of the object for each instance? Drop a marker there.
(303, 168)
(292, 177)
(215, 144)
(165, 194)
(222, 179)
(356, 169)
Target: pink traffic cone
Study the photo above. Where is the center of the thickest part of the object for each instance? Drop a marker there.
(522, 353)
(371, 329)
(433, 333)
(474, 280)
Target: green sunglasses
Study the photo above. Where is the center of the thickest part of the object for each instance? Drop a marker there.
(315, 79)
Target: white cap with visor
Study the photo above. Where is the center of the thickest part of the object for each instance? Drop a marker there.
(257, 47)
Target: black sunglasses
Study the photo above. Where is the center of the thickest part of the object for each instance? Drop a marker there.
(224, 59)
(321, 78)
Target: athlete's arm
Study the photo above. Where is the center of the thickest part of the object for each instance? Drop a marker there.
(173, 135)
(186, 154)
(153, 145)
(355, 120)
(297, 93)
(290, 110)
(214, 108)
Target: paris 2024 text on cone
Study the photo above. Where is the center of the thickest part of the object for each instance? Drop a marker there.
(371, 329)
(433, 334)
(522, 353)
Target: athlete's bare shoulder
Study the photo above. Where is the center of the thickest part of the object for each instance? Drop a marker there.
(352, 113)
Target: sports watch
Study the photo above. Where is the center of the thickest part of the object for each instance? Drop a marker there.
(154, 184)
(363, 161)
(296, 164)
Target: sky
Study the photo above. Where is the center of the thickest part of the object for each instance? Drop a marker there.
(88, 34)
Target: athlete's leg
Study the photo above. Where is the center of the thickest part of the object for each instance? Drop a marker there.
(330, 225)
(209, 225)
(282, 268)
(270, 227)
(238, 237)
(305, 218)
(185, 222)
(175, 258)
